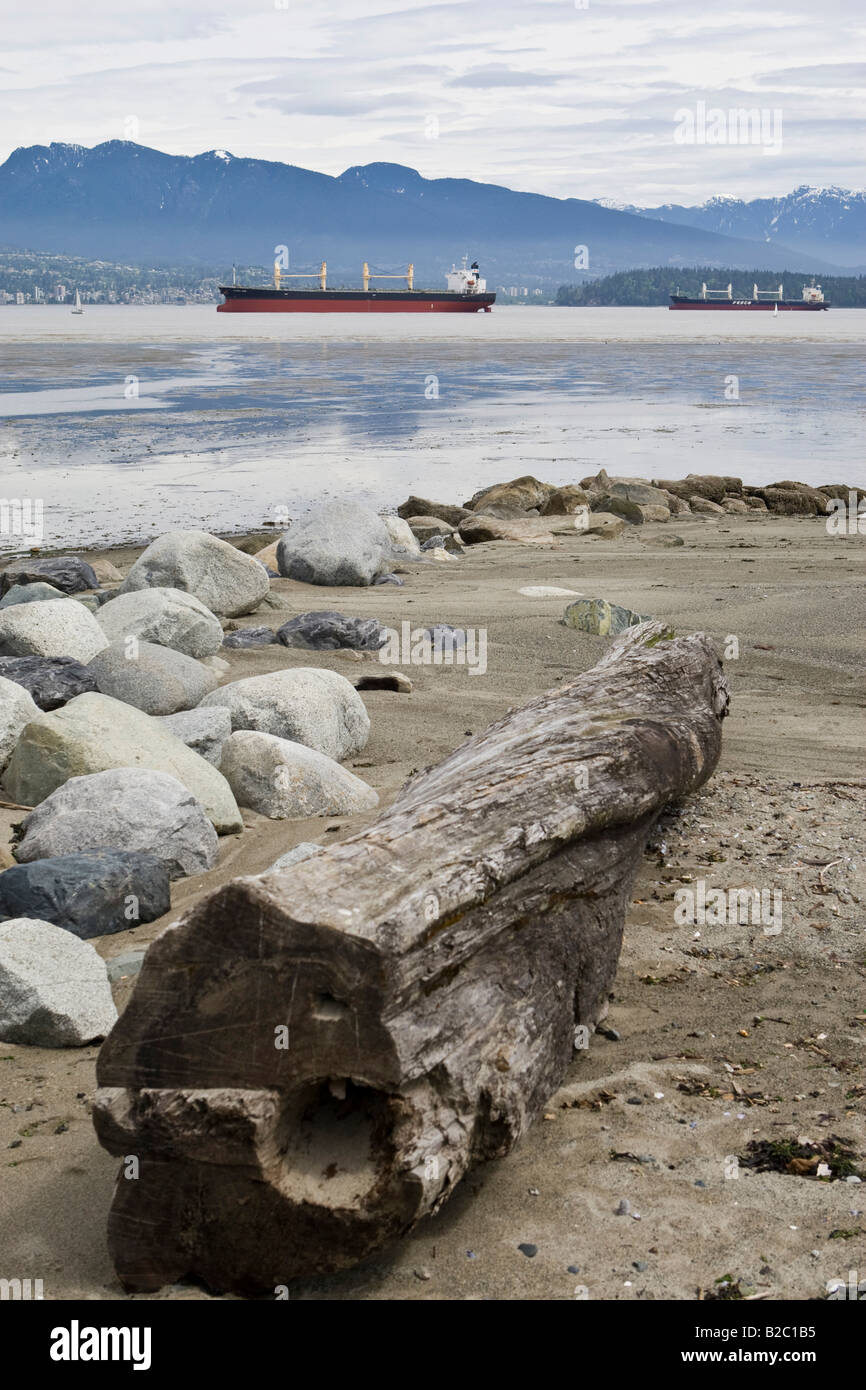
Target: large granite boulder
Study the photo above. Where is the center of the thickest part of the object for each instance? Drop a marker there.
(127, 808)
(54, 989)
(157, 680)
(68, 573)
(219, 575)
(319, 632)
(631, 509)
(17, 708)
(51, 680)
(702, 506)
(338, 543)
(203, 730)
(793, 499)
(318, 708)
(29, 593)
(94, 733)
(285, 780)
(168, 617)
(702, 485)
(55, 627)
(93, 893)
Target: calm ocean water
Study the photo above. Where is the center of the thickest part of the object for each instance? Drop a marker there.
(129, 421)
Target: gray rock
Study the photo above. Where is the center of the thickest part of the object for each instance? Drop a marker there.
(389, 579)
(166, 616)
(219, 575)
(203, 730)
(598, 616)
(338, 543)
(305, 850)
(317, 708)
(89, 894)
(400, 533)
(17, 708)
(50, 680)
(127, 808)
(285, 780)
(435, 542)
(54, 990)
(55, 627)
(68, 573)
(29, 593)
(632, 510)
(424, 528)
(250, 637)
(94, 733)
(421, 506)
(329, 631)
(157, 680)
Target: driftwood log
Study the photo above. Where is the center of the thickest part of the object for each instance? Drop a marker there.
(313, 1058)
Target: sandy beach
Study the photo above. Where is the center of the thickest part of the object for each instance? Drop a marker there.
(716, 1037)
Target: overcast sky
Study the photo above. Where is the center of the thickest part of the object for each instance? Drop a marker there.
(542, 95)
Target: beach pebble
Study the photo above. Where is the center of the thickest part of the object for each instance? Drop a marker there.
(329, 631)
(219, 575)
(285, 780)
(55, 627)
(50, 680)
(68, 573)
(88, 894)
(94, 733)
(597, 616)
(547, 591)
(624, 1207)
(305, 850)
(54, 989)
(166, 616)
(530, 1251)
(128, 808)
(155, 679)
(400, 533)
(389, 579)
(250, 637)
(318, 708)
(337, 543)
(203, 730)
(29, 593)
(17, 708)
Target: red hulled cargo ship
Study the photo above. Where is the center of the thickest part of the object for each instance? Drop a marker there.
(772, 300)
(466, 293)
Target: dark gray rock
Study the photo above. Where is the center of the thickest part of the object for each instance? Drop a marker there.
(66, 572)
(51, 680)
(320, 632)
(89, 894)
(250, 637)
(435, 542)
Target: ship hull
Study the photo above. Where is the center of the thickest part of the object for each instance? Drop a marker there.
(243, 300)
(749, 305)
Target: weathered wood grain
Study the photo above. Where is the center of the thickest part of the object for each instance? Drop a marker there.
(313, 1058)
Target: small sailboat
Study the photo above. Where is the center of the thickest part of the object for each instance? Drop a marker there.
(76, 308)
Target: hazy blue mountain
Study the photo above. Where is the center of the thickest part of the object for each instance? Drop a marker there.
(829, 223)
(126, 202)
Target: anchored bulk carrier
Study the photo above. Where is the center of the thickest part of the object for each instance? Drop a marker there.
(772, 300)
(466, 293)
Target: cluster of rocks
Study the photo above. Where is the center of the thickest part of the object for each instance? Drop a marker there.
(534, 512)
(115, 729)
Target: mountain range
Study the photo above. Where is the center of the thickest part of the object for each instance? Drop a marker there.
(126, 202)
(826, 222)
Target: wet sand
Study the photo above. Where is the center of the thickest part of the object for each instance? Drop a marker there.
(785, 810)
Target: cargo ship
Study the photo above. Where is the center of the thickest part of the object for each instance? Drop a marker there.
(465, 293)
(772, 300)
